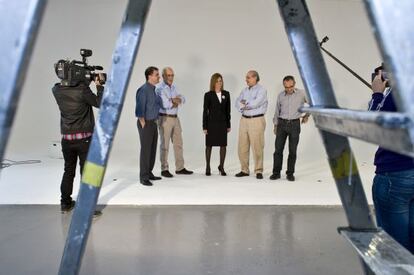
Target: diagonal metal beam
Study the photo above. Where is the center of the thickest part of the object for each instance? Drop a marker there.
(393, 26)
(305, 47)
(123, 60)
(19, 24)
(382, 128)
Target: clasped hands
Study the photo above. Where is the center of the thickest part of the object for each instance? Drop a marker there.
(176, 101)
(243, 104)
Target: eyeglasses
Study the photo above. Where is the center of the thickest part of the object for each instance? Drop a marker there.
(169, 75)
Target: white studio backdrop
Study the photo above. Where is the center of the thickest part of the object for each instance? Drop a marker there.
(197, 38)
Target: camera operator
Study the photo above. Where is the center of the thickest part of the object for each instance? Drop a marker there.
(76, 123)
(393, 188)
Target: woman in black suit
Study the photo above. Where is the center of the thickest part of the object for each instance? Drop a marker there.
(216, 120)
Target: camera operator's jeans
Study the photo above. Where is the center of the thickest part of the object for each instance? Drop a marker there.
(72, 150)
(393, 195)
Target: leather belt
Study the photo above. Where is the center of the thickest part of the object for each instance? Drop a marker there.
(253, 116)
(289, 120)
(167, 115)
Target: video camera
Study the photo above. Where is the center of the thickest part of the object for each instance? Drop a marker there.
(74, 72)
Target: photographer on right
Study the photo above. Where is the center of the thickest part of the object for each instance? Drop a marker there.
(393, 188)
(75, 100)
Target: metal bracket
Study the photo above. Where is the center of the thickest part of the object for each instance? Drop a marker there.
(380, 252)
(382, 128)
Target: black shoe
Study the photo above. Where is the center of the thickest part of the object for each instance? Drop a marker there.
(97, 214)
(67, 207)
(259, 176)
(208, 171)
(166, 174)
(183, 172)
(241, 174)
(146, 182)
(152, 177)
(222, 172)
(275, 177)
(290, 177)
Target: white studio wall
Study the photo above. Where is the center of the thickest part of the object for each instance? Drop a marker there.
(197, 38)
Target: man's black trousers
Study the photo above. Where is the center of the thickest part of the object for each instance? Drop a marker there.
(286, 129)
(149, 138)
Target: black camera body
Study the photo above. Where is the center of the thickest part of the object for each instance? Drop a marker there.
(73, 73)
(384, 74)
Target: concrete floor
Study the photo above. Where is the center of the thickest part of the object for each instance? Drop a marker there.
(182, 240)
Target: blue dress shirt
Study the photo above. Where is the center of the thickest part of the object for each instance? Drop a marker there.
(255, 99)
(148, 103)
(167, 93)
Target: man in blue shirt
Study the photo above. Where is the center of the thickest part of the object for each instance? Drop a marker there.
(148, 104)
(169, 124)
(393, 188)
(252, 104)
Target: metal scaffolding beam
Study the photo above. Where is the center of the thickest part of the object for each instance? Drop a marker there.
(393, 26)
(394, 29)
(378, 251)
(392, 23)
(305, 46)
(19, 21)
(123, 60)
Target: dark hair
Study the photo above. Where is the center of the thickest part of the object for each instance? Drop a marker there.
(213, 81)
(149, 71)
(288, 78)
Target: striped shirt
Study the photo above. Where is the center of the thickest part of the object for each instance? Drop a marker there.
(255, 100)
